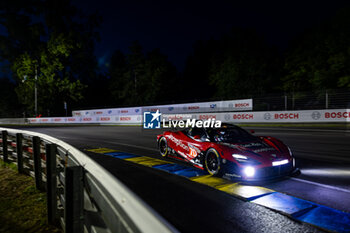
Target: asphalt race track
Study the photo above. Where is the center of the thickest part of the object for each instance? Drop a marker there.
(322, 155)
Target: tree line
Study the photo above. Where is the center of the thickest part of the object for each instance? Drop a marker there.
(50, 44)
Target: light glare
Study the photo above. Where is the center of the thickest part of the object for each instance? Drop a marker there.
(249, 171)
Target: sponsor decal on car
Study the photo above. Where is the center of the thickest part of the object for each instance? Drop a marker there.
(193, 153)
(178, 142)
(253, 144)
(264, 150)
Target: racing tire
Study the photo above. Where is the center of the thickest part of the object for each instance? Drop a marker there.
(163, 147)
(212, 162)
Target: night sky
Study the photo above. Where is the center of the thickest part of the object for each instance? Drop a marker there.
(174, 26)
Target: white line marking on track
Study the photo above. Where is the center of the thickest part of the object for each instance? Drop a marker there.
(322, 185)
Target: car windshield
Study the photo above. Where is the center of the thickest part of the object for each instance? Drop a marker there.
(230, 134)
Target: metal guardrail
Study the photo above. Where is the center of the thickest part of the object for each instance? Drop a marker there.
(81, 195)
(11, 121)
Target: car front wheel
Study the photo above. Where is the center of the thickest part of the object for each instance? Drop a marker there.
(163, 147)
(212, 162)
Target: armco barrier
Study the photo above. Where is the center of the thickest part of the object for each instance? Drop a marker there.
(10, 121)
(81, 195)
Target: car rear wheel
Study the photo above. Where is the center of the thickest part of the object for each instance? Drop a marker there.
(212, 162)
(163, 146)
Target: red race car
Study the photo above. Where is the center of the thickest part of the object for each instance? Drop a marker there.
(229, 151)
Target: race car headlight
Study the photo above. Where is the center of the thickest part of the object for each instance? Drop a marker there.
(239, 157)
(281, 162)
(244, 159)
(249, 171)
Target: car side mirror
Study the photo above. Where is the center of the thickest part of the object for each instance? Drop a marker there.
(197, 137)
(252, 131)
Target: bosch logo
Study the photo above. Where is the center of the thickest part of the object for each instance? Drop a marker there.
(110, 112)
(171, 108)
(230, 105)
(316, 115)
(137, 110)
(267, 116)
(227, 117)
(213, 106)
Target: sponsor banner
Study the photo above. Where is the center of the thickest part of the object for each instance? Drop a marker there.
(312, 116)
(54, 120)
(127, 119)
(237, 105)
(107, 112)
(214, 106)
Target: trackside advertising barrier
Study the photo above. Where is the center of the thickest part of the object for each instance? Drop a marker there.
(127, 120)
(303, 116)
(214, 106)
(107, 112)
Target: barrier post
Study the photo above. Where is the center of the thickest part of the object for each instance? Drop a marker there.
(4, 146)
(37, 162)
(74, 199)
(51, 184)
(19, 151)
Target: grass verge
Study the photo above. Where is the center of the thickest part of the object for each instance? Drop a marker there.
(22, 207)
